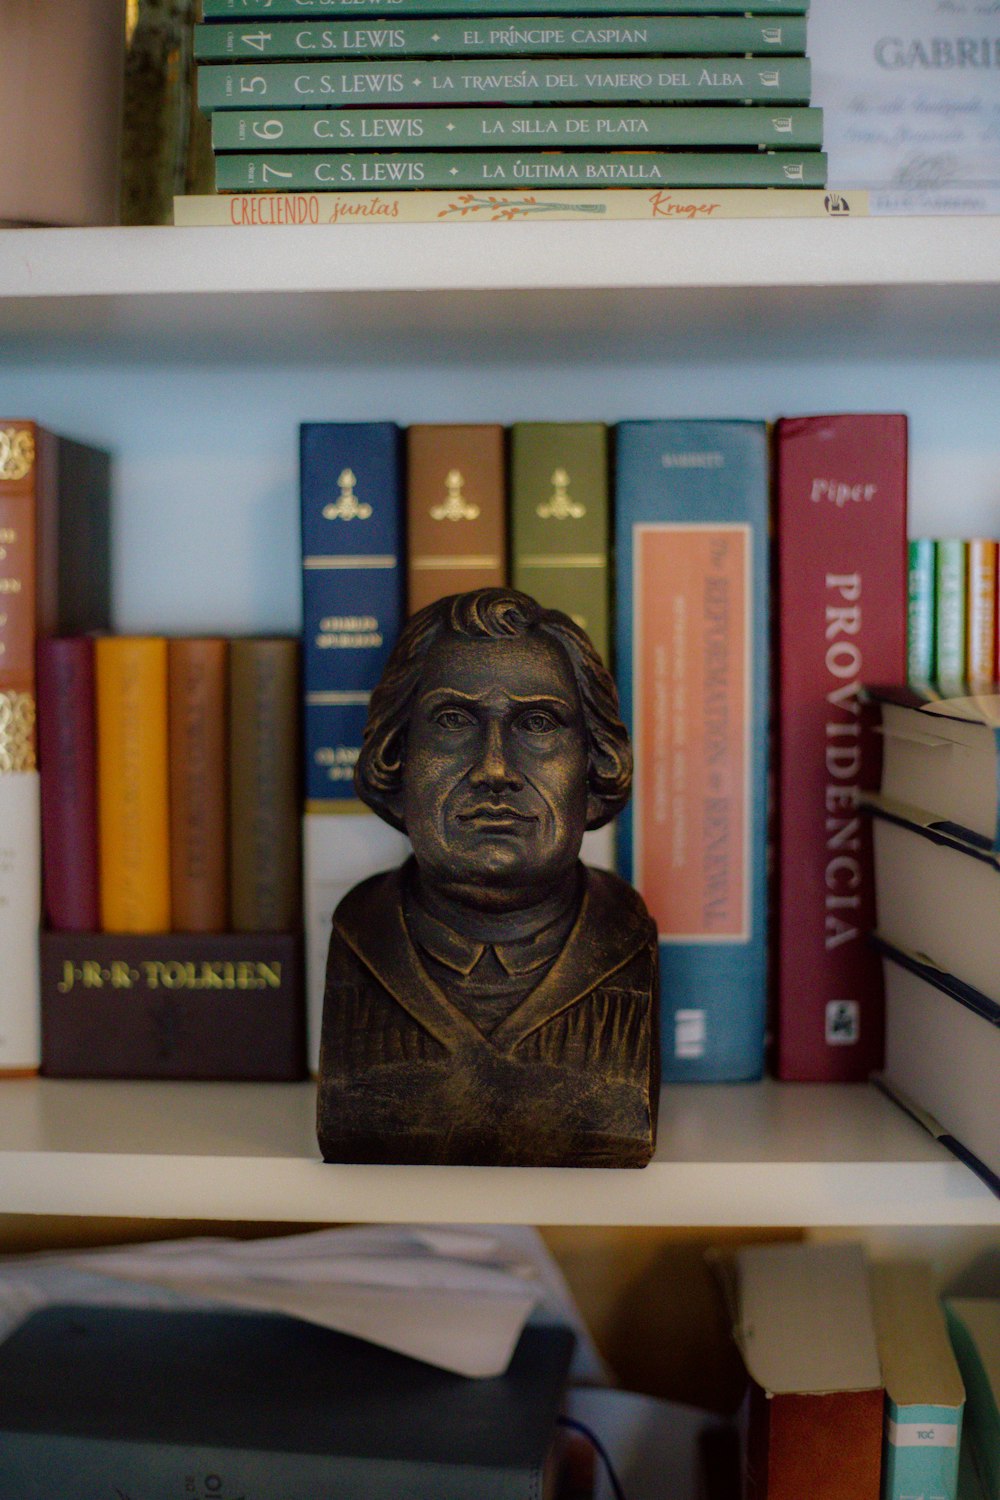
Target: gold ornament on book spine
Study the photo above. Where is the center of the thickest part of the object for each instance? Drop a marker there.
(348, 507)
(455, 507)
(561, 506)
(17, 452)
(17, 732)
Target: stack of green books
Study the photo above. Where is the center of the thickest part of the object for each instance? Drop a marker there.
(458, 94)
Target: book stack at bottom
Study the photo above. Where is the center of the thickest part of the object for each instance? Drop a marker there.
(937, 877)
(480, 97)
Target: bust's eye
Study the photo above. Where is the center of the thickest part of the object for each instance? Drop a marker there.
(537, 721)
(453, 719)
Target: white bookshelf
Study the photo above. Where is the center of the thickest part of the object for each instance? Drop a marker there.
(766, 1155)
(194, 354)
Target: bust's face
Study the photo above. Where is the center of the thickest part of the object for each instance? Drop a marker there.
(495, 774)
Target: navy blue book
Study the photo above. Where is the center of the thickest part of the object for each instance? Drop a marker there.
(691, 540)
(351, 486)
(141, 1404)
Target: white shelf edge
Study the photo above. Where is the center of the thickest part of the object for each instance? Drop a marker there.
(692, 1194)
(766, 1155)
(733, 253)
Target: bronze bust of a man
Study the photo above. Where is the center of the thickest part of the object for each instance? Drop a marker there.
(493, 1001)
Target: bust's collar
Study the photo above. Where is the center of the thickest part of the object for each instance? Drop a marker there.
(540, 939)
(610, 928)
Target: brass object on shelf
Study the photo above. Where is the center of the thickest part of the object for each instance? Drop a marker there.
(493, 1001)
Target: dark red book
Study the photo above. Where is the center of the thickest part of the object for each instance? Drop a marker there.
(841, 623)
(67, 767)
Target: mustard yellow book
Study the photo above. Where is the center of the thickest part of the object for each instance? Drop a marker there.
(133, 783)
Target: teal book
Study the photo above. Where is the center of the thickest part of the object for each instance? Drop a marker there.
(512, 169)
(663, 80)
(974, 1323)
(137, 1404)
(949, 620)
(456, 129)
(920, 603)
(495, 36)
(691, 660)
(925, 1396)
(271, 10)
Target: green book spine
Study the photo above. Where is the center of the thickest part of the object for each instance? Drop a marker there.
(949, 635)
(657, 80)
(920, 611)
(457, 129)
(270, 10)
(475, 169)
(522, 36)
(560, 520)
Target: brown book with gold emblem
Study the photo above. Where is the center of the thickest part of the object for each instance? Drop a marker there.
(455, 510)
(199, 881)
(265, 799)
(54, 578)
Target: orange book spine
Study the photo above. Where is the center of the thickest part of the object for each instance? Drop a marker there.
(199, 876)
(133, 783)
(981, 621)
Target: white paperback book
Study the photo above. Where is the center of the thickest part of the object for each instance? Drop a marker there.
(20, 916)
(910, 93)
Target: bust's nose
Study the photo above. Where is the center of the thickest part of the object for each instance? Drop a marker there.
(495, 770)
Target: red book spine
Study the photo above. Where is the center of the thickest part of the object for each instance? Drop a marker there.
(841, 622)
(68, 770)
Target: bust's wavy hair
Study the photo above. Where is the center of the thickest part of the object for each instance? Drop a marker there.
(491, 614)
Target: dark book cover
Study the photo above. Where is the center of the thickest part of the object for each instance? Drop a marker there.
(841, 489)
(265, 808)
(211, 1006)
(163, 1405)
(351, 484)
(67, 760)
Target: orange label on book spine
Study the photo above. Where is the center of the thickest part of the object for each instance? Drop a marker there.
(692, 631)
(133, 783)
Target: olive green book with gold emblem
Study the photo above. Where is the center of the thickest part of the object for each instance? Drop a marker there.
(560, 520)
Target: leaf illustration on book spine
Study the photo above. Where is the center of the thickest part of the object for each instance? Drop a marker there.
(17, 452)
(560, 505)
(348, 507)
(455, 507)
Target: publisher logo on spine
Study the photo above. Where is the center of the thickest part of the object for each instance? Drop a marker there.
(843, 1023)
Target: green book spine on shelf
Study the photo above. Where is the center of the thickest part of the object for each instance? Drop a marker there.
(560, 519)
(438, 169)
(271, 10)
(920, 601)
(524, 36)
(949, 643)
(587, 125)
(780, 80)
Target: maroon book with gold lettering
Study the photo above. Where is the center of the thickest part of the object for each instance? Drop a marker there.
(67, 761)
(840, 524)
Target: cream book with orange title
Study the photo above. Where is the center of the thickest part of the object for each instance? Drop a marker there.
(133, 783)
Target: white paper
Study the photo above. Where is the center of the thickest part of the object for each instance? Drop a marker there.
(454, 1297)
(910, 91)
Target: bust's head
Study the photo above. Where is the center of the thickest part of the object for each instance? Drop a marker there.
(494, 740)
